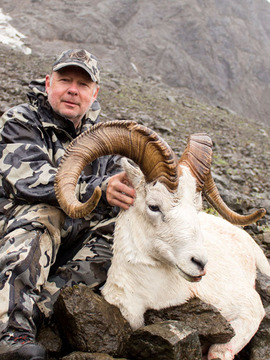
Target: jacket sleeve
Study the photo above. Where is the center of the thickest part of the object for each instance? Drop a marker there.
(28, 163)
(26, 167)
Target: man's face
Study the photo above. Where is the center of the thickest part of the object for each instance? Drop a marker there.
(71, 92)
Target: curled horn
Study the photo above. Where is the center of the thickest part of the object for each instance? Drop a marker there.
(211, 193)
(198, 157)
(127, 138)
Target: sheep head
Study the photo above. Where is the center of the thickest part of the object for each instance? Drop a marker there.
(169, 229)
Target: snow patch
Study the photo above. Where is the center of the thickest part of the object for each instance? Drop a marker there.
(10, 36)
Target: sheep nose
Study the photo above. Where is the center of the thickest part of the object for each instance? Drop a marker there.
(200, 262)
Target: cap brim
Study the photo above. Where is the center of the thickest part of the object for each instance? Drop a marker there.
(82, 66)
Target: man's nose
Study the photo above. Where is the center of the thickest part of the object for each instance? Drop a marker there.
(73, 88)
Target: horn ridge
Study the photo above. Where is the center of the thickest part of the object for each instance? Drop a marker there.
(198, 157)
(126, 138)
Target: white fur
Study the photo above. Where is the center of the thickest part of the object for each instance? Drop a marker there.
(154, 254)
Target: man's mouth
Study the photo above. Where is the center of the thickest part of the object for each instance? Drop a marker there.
(70, 103)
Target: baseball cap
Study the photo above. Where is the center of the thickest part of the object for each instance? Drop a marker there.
(81, 58)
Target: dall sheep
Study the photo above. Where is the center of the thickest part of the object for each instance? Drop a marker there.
(166, 249)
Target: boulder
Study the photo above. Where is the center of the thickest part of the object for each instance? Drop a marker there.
(89, 322)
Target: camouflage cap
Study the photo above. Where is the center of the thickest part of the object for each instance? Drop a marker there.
(81, 58)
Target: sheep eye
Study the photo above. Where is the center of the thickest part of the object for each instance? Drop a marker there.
(154, 208)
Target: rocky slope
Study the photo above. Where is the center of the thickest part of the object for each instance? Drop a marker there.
(217, 51)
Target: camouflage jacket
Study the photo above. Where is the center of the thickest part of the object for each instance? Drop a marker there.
(33, 140)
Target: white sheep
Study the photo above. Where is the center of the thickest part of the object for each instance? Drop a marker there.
(166, 250)
(161, 246)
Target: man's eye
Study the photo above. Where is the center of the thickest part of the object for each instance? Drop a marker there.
(154, 208)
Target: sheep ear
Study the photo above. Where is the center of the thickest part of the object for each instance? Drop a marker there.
(132, 170)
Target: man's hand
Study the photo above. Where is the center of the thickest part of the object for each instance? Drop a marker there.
(120, 191)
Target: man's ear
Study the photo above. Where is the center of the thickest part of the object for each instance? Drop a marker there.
(96, 92)
(94, 96)
(47, 82)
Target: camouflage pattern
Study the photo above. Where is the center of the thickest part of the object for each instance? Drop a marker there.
(42, 249)
(81, 58)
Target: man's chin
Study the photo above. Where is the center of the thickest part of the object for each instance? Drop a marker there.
(70, 115)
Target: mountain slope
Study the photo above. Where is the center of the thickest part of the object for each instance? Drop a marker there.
(217, 51)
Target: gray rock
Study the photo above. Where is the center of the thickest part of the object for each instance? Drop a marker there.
(211, 326)
(260, 344)
(263, 287)
(50, 338)
(78, 355)
(168, 340)
(89, 322)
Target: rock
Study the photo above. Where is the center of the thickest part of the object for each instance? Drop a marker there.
(211, 326)
(168, 340)
(266, 238)
(89, 322)
(221, 180)
(260, 344)
(263, 287)
(78, 355)
(237, 178)
(163, 129)
(171, 99)
(50, 338)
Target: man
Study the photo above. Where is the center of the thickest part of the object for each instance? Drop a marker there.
(42, 249)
